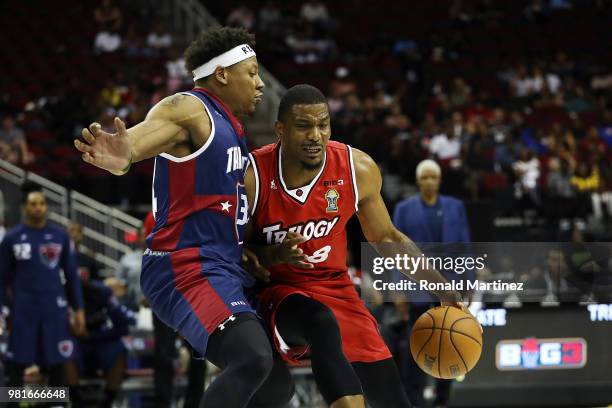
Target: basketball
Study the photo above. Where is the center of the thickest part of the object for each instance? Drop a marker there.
(446, 342)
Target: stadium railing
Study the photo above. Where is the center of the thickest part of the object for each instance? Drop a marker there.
(108, 232)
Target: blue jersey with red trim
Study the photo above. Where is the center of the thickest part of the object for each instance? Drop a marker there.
(31, 264)
(199, 200)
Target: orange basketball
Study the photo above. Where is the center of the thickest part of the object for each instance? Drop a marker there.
(446, 342)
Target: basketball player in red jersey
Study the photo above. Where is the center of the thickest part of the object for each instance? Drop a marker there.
(306, 184)
(191, 273)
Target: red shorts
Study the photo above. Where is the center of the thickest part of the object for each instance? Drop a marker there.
(361, 341)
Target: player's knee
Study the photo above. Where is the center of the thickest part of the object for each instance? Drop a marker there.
(276, 396)
(324, 321)
(257, 365)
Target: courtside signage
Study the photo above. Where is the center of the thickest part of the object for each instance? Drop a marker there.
(541, 354)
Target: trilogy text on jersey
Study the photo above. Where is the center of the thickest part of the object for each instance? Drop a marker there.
(275, 233)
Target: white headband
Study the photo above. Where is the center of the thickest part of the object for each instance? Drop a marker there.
(231, 57)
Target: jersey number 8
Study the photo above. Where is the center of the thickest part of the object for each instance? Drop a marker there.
(320, 255)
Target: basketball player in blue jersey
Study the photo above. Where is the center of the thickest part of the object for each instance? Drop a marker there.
(191, 273)
(31, 256)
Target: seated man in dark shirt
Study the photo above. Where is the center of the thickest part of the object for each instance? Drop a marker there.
(102, 348)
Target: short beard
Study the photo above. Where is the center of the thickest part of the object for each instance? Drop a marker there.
(310, 166)
(36, 220)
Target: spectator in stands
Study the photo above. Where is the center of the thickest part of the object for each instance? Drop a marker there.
(585, 182)
(536, 11)
(342, 84)
(498, 126)
(553, 83)
(459, 94)
(382, 98)
(563, 65)
(88, 267)
(351, 113)
(101, 347)
(477, 161)
(241, 16)
(178, 77)
(559, 191)
(111, 95)
(539, 83)
(536, 81)
(107, 41)
(520, 84)
(315, 12)
(601, 82)
(605, 128)
(561, 141)
(577, 100)
(396, 119)
(269, 18)
(309, 46)
(134, 44)
(429, 217)
(410, 60)
(461, 13)
(445, 147)
(108, 16)
(592, 145)
(556, 274)
(506, 154)
(160, 38)
(128, 272)
(13, 145)
(527, 171)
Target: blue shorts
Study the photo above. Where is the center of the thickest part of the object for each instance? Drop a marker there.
(190, 296)
(92, 356)
(40, 330)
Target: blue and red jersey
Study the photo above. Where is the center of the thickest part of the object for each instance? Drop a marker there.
(199, 200)
(32, 261)
(191, 273)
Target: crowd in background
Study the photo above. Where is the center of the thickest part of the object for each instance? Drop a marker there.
(538, 135)
(530, 133)
(134, 64)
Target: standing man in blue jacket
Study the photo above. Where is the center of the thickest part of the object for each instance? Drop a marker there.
(435, 218)
(430, 216)
(36, 258)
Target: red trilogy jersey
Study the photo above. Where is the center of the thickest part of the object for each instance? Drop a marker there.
(318, 211)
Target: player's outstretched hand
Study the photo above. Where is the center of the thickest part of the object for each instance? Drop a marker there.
(108, 151)
(251, 264)
(287, 252)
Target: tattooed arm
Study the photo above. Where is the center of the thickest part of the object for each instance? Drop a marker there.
(175, 126)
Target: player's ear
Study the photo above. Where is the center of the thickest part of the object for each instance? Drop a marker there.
(279, 129)
(221, 75)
